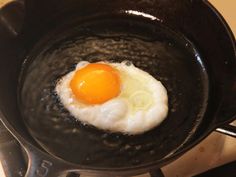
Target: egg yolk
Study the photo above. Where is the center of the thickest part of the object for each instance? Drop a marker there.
(96, 83)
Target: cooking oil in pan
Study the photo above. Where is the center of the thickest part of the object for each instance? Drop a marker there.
(149, 45)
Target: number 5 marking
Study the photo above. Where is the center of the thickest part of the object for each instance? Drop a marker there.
(43, 170)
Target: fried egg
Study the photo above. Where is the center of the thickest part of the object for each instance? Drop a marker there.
(116, 97)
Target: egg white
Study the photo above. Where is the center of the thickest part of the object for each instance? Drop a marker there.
(141, 105)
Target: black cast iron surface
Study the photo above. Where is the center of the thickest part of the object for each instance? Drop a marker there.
(148, 45)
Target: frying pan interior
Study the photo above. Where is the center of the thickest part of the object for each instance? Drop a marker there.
(191, 54)
(149, 45)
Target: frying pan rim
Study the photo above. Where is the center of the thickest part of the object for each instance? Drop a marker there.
(224, 23)
(149, 165)
(145, 167)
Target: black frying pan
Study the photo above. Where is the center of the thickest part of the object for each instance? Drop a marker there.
(187, 45)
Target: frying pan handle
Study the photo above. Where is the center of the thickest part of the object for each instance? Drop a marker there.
(227, 130)
(41, 164)
(11, 156)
